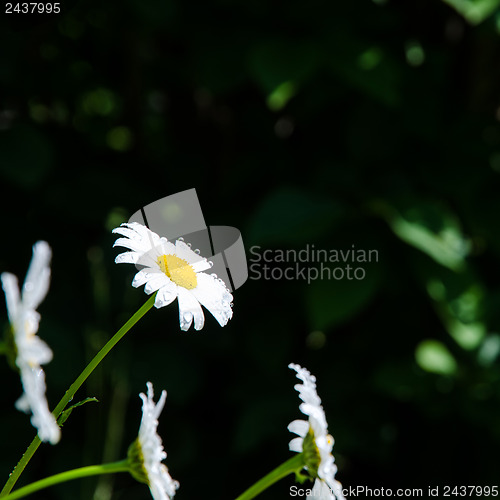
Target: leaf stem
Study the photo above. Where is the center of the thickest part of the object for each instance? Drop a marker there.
(91, 470)
(293, 465)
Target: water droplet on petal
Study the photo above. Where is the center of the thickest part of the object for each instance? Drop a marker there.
(197, 251)
(213, 275)
(189, 245)
(180, 239)
(210, 263)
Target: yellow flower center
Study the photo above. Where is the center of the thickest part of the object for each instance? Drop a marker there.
(178, 270)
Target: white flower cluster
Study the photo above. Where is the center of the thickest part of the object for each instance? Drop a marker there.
(171, 270)
(151, 451)
(314, 440)
(31, 351)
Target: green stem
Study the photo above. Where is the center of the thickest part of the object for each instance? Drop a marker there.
(91, 470)
(68, 396)
(293, 465)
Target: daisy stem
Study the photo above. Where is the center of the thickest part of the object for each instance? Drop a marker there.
(91, 470)
(293, 465)
(68, 396)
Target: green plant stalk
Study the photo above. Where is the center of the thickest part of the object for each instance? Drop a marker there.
(293, 465)
(68, 396)
(91, 470)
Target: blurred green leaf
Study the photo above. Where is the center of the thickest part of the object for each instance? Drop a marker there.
(489, 350)
(467, 335)
(459, 300)
(433, 229)
(433, 356)
(474, 11)
(280, 96)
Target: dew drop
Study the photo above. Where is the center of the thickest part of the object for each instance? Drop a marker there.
(197, 251)
(213, 275)
(180, 239)
(189, 245)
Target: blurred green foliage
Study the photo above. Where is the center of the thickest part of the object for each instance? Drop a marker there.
(374, 124)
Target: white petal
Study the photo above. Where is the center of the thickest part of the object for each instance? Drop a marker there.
(183, 251)
(140, 278)
(36, 283)
(134, 245)
(196, 261)
(33, 380)
(124, 230)
(201, 265)
(299, 427)
(166, 294)
(137, 237)
(213, 294)
(127, 258)
(166, 247)
(155, 282)
(189, 309)
(23, 404)
(32, 350)
(12, 297)
(296, 444)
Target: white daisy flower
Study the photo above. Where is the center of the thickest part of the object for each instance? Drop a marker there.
(31, 351)
(174, 271)
(314, 440)
(146, 452)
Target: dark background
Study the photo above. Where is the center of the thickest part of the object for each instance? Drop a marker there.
(373, 124)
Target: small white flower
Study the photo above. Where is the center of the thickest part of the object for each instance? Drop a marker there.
(314, 440)
(146, 453)
(174, 271)
(31, 351)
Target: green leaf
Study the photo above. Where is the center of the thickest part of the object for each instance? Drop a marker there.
(474, 11)
(66, 413)
(433, 229)
(458, 298)
(433, 356)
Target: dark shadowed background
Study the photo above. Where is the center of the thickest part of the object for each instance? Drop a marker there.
(333, 124)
